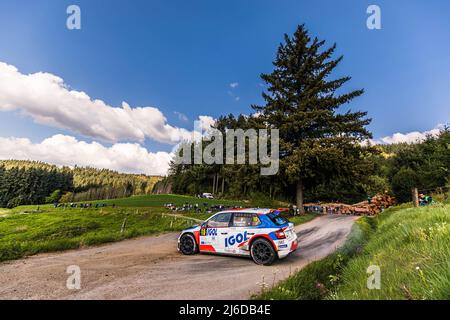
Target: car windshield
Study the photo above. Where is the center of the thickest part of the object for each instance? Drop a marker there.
(278, 219)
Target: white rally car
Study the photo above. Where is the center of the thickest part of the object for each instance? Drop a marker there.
(262, 234)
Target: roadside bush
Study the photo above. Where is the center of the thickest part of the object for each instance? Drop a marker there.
(55, 196)
(402, 184)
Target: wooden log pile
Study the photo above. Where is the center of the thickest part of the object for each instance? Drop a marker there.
(378, 203)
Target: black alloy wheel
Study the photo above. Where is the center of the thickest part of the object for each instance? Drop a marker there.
(188, 245)
(262, 252)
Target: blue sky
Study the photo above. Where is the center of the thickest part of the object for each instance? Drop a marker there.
(181, 56)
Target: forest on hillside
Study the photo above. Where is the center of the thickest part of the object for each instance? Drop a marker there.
(34, 182)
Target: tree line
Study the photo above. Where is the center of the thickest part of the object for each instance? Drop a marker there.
(35, 182)
(324, 154)
(424, 165)
(19, 186)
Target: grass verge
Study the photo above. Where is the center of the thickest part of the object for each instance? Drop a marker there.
(300, 219)
(319, 278)
(412, 249)
(410, 245)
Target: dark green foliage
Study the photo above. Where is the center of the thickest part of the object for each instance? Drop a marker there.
(19, 186)
(54, 196)
(423, 165)
(403, 182)
(317, 143)
(34, 182)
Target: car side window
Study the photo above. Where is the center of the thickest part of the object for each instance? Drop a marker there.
(242, 219)
(220, 220)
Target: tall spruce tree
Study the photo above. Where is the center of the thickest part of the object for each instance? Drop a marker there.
(317, 143)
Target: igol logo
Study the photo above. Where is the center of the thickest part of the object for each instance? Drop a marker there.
(208, 232)
(239, 238)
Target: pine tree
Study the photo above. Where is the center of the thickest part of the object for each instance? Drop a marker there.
(317, 142)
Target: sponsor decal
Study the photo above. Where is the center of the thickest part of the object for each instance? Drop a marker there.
(209, 232)
(283, 246)
(236, 239)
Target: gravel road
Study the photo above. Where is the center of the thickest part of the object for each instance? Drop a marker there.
(151, 268)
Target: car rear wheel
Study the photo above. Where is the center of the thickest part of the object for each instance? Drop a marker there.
(188, 245)
(262, 252)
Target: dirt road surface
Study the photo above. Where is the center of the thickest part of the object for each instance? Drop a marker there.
(151, 268)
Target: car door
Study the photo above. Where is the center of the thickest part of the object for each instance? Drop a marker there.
(214, 232)
(242, 228)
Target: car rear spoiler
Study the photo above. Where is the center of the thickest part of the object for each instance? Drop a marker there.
(279, 210)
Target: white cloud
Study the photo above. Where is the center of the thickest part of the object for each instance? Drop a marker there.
(234, 85)
(49, 101)
(411, 137)
(66, 150)
(181, 116)
(206, 122)
(235, 97)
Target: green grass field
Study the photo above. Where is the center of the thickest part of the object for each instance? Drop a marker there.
(410, 245)
(150, 200)
(27, 230)
(158, 200)
(144, 201)
(27, 234)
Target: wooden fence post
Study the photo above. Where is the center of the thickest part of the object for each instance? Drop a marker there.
(415, 197)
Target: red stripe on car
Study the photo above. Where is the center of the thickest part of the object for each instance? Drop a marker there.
(207, 247)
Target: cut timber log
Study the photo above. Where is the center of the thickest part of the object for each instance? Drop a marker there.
(378, 203)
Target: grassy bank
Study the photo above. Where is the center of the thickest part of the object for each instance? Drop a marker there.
(410, 245)
(27, 234)
(319, 278)
(412, 249)
(296, 220)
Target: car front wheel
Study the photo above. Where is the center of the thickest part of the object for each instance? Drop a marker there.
(188, 245)
(262, 252)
